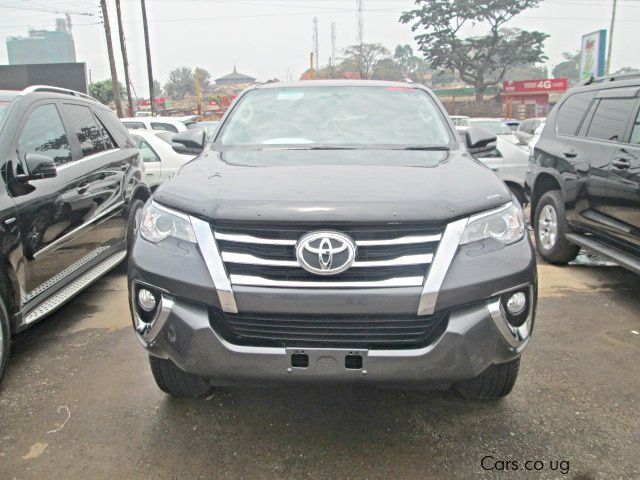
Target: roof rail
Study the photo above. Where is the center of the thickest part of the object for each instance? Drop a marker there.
(48, 88)
(611, 78)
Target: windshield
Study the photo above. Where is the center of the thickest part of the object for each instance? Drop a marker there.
(497, 127)
(336, 116)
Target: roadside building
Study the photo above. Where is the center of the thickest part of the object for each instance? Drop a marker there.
(43, 46)
(235, 78)
(531, 98)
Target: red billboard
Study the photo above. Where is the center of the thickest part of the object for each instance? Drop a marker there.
(543, 85)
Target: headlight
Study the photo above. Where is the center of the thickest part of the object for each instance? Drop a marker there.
(159, 223)
(506, 225)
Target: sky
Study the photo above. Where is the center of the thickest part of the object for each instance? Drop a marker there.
(273, 38)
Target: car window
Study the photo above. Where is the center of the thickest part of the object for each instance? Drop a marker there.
(43, 133)
(336, 115)
(497, 127)
(166, 137)
(93, 137)
(635, 133)
(135, 125)
(147, 153)
(572, 111)
(164, 126)
(611, 118)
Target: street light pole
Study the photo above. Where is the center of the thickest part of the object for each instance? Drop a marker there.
(613, 22)
(149, 69)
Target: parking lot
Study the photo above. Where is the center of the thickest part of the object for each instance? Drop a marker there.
(79, 402)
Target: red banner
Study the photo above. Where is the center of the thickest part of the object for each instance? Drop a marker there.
(145, 102)
(543, 85)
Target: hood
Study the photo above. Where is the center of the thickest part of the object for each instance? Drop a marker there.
(333, 186)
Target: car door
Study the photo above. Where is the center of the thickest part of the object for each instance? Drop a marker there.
(624, 182)
(54, 214)
(600, 137)
(152, 161)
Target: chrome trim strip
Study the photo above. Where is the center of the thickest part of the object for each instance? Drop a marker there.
(442, 260)
(213, 260)
(506, 206)
(87, 158)
(242, 238)
(400, 240)
(266, 282)
(248, 259)
(516, 337)
(404, 260)
(148, 332)
(65, 237)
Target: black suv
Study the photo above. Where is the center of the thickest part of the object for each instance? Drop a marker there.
(584, 175)
(72, 180)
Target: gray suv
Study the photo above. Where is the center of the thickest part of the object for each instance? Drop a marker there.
(334, 231)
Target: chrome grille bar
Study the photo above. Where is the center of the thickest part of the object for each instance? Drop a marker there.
(400, 240)
(267, 282)
(242, 238)
(248, 259)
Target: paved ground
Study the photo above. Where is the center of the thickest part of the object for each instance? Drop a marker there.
(78, 401)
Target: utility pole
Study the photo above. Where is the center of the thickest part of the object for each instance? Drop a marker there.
(315, 42)
(112, 62)
(149, 69)
(333, 43)
(613, 22)
(360, 16)
(313, 72)
(198, 92)
(125, 59)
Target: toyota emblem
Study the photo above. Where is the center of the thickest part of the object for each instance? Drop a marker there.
(325, 253)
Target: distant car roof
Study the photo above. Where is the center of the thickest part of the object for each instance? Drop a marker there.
(486, 119)
(151, 119)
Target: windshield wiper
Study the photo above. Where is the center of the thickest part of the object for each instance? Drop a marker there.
(327, 147)
(435, 148)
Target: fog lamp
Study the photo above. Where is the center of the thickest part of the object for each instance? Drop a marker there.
(146, 300)
(517, 303)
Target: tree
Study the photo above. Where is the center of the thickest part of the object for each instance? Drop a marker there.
(482, 60)
(388, 69)
(157, 88)
(363, 58)
(103, 91)
(569, 68)
(181, 82)
(205, 80)
(625, 70)
(526, 71)
(411, 65)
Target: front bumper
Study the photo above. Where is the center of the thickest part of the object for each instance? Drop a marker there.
(476, 337)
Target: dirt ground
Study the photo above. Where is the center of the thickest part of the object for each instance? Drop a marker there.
(79, 402)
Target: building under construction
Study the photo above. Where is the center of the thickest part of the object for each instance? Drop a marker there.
(43, 46)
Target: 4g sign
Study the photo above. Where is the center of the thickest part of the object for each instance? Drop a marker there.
(543, 85)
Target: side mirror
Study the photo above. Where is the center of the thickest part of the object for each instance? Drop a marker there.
(40, 166)
(479, 140)
(190, 142)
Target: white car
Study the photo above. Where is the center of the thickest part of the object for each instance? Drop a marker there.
(460, 120)
(509, 161)
(527, 128)
(167, 124)
(497, 126)
(160, 159)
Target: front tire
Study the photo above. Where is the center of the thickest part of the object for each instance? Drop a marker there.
(5, 338)
(495, 382)
(170, 379)
(551, 228)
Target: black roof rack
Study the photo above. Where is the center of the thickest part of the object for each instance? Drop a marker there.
(611, 78)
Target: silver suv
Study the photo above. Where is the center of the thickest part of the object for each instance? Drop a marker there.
(334, 231)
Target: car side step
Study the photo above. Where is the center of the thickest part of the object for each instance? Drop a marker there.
(621, 258)
(63, 295)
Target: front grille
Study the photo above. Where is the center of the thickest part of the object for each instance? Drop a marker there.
(333, 331)
(388, 255)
